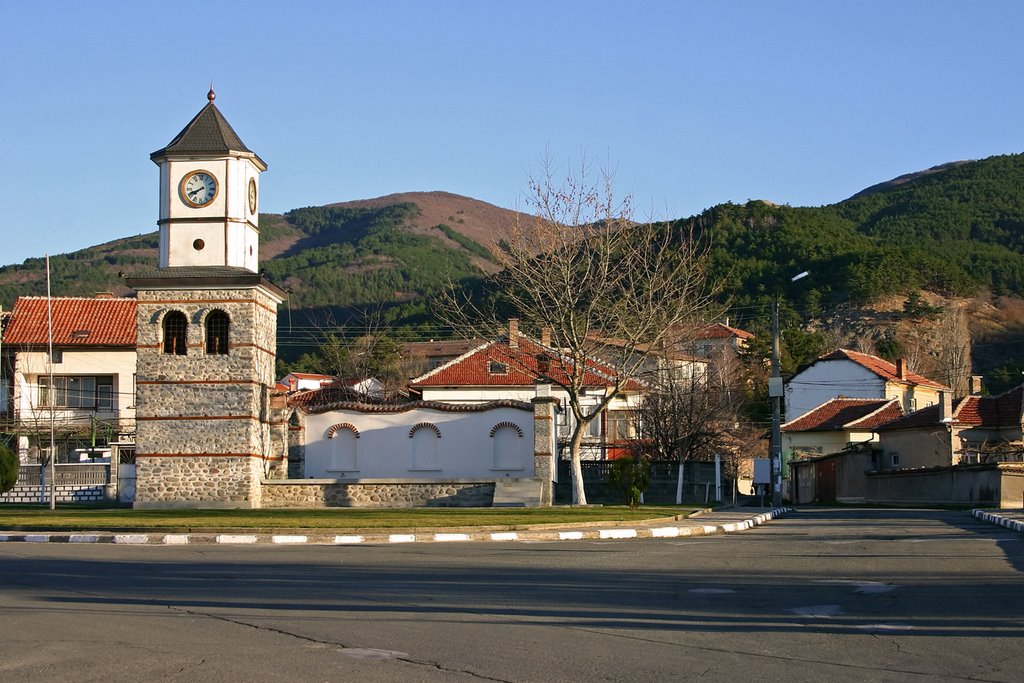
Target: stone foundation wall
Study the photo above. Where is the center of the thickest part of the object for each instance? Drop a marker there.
(383, 494)
(199, 481)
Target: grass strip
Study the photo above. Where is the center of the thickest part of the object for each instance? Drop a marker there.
(37, 518)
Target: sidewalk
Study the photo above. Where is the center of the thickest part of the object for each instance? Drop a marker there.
(699, 524)
(1011, 519)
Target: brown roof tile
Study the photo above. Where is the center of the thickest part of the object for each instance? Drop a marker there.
(521, 368)
(881, 367)
(839, 414)
(77, 321)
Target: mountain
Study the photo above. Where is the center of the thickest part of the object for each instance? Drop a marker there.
(953, 232)
(350, 255)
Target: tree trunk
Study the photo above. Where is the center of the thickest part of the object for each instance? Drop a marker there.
(579, 495)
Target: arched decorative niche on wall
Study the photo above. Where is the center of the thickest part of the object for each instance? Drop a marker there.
(343, 439)
(506, 442)
(426, 454)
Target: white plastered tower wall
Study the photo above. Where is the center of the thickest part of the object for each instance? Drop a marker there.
(227, 225)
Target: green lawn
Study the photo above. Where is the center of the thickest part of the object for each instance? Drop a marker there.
(81, 518)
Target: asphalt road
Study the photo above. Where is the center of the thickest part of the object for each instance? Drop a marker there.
(819, 595)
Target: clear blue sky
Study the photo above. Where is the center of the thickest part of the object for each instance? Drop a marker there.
(693, 103)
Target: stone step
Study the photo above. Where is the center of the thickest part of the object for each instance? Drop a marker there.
(517, 493)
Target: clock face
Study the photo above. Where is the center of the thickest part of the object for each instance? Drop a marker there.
(252, 195)
(198, 188)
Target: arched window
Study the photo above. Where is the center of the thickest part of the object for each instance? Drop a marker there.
(175, 333)
(217, 324)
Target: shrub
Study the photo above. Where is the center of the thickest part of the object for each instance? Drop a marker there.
(8, 468)
(632, 477)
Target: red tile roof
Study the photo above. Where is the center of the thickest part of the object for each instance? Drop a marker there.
(992, 412)
(77, 321)
(840, 414)
(881, 367)
(720, 331)
(521, 368)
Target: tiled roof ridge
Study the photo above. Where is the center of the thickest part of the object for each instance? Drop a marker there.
(851, 401)
(443, 406)
(36, 297)
(874, 413)
(453, 361)
(888, 369)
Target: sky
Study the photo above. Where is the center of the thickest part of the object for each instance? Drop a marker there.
(689, 104)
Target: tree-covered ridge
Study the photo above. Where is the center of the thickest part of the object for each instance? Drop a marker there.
(958, 231)
(360, 258)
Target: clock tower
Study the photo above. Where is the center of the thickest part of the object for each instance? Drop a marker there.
(209, 192)
(207, 329)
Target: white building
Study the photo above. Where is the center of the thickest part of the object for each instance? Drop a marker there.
(92, 393)
(851, 374)
(510, 368)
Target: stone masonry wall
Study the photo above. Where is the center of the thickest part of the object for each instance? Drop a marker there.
(377, 495)
(203, 433)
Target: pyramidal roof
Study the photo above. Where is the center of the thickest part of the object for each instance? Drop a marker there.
(208, 133)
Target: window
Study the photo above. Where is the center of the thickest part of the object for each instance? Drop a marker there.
(620, 425)
(175, 329)
(895, 459)
(217, 324)
(496, 368)
(90, 393)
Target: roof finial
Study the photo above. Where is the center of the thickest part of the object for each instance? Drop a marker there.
(211, 95)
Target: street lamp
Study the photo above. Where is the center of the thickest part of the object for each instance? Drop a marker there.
(775, 392)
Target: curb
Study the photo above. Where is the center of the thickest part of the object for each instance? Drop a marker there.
(530, 535)
(1011, 524)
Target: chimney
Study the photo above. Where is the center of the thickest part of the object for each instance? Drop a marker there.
(945, 407)
(545, 336)
(901, 368)
(976, 388)
(513, 333)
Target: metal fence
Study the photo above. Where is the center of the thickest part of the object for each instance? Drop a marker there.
(66, 475)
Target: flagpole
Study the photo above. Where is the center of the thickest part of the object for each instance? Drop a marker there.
(51, 394)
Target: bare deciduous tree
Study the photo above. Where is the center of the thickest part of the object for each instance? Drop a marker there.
(584, 269)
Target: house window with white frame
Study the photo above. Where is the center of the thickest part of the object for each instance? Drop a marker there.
(83, 392)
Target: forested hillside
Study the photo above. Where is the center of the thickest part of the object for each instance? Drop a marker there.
(952, 231)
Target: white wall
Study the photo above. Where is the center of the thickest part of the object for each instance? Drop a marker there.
(384, 449)
(826, 380)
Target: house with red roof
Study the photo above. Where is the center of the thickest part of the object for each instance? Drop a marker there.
(87, 384)
(714, 338)
(838, 424)
(971, 429)
(510, 368)
(851, 374)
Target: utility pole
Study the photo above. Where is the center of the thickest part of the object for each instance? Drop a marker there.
(775, 393)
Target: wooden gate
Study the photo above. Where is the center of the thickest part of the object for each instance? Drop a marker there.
(825, 481)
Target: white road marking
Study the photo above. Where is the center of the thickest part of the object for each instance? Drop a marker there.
(818, 611)
(371, 653)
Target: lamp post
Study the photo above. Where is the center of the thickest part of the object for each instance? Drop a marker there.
(775, 392)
